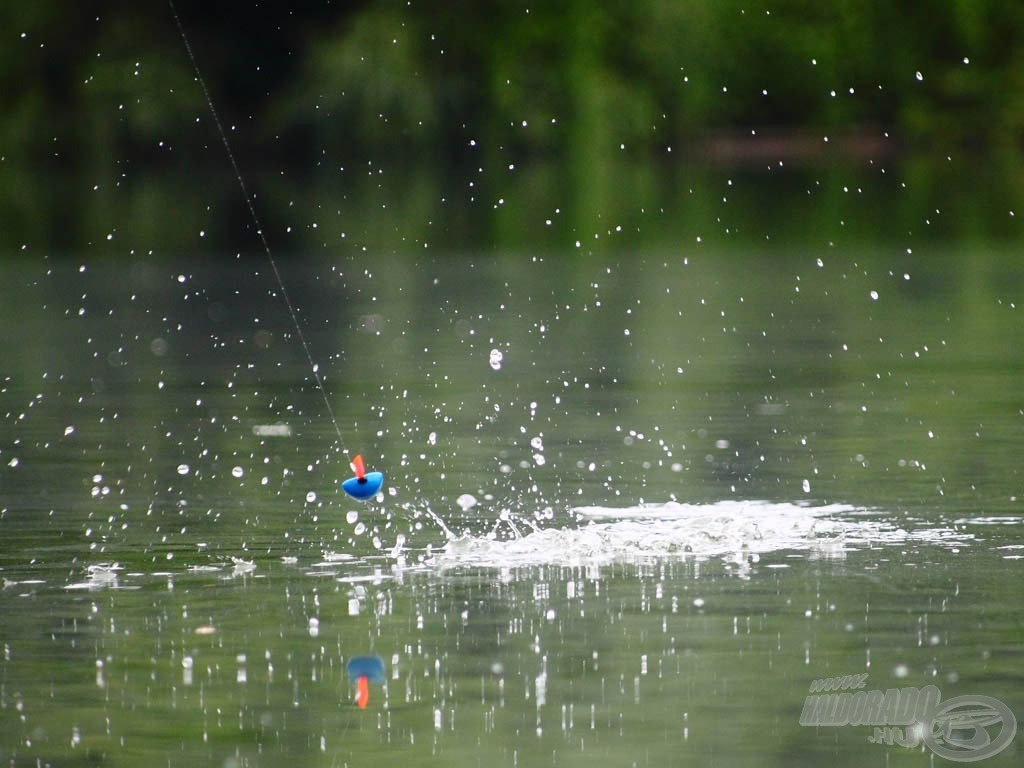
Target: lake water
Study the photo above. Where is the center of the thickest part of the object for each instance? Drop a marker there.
(637, 502)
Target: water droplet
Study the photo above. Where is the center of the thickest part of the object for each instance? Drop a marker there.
(496, 358)
(237, 471)
(466, 501)
(183, 469)
(807, 485)
(351, 517)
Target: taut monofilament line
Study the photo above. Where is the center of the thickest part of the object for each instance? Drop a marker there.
(259, 229)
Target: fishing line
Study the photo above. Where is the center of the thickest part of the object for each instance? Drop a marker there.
(259, 229)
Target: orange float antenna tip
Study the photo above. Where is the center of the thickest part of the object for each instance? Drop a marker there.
(362, 691)
(358, 467)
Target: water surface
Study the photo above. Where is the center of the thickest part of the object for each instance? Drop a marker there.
(635, 504)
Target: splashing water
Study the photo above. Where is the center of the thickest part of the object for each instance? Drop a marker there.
(739, 531)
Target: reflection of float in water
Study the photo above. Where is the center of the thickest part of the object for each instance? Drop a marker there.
(365, 670)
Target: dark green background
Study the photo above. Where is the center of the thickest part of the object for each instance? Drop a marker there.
(474, 123)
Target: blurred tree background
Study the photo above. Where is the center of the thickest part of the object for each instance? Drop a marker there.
(101, 96)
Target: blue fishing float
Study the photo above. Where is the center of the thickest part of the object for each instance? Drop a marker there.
(365, 485)
(365, 670)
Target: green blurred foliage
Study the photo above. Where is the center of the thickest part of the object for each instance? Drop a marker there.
(101, 96)
(356, 78)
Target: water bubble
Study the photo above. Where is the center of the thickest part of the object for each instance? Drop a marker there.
(466, 501)
(311, 497)
(807, 485)
(70, 430)
(360, 529)
(184, 469)
(351, 517)
(237, 471)
(873, 295)
(495, 359)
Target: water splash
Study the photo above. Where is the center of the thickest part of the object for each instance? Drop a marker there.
(739, 531)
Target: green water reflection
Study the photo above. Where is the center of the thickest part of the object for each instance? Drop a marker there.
(617, 201)
(881, 374)
(669, 662)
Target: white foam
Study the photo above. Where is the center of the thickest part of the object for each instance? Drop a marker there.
(739, 531)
